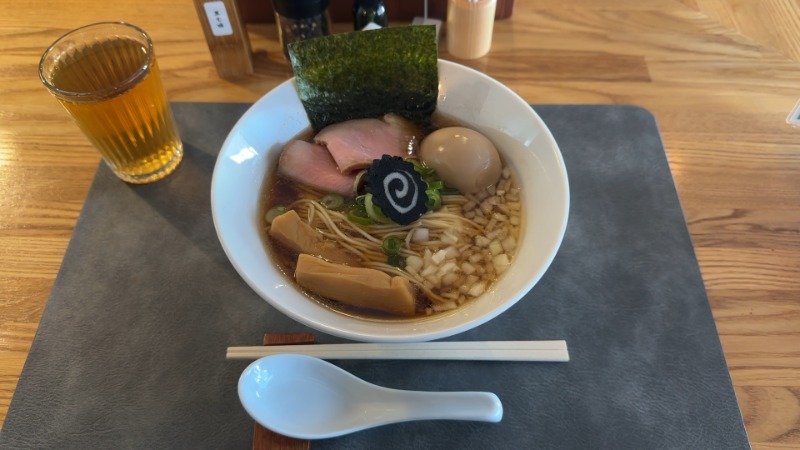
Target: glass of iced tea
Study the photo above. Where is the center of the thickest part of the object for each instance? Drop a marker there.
(106, 76)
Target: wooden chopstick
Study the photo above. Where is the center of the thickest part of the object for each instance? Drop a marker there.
(542, 351)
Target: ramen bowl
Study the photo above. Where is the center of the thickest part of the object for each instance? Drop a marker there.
(475, 100)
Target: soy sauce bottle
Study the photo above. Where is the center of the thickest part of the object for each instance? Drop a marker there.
(369, 14)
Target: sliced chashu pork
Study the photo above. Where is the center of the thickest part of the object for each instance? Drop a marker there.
(354, 144)
(356, 286)
(300, 237)
(411, 132)
(311, 164)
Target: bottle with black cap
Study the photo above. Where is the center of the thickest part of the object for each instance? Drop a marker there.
(298, 20)
(369, 14)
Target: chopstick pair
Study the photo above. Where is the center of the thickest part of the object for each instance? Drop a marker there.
(541, 351)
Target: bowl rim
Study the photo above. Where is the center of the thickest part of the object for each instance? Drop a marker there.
(412, 334)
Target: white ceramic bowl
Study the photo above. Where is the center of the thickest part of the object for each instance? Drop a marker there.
(473, 98)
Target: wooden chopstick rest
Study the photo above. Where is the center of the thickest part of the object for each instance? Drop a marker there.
(264, 439)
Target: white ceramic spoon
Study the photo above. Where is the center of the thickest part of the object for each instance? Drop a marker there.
(308, 398)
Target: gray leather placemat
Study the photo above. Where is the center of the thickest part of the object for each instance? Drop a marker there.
(130, 350)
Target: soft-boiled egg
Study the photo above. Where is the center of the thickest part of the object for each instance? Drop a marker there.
(463, 158)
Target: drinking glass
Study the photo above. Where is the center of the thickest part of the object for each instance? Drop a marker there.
(107, 78)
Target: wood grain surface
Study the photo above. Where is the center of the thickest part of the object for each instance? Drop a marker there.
(720, 76)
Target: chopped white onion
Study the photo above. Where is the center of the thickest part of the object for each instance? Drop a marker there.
(449, 238)
(467, 268)
(481, 241)
(428, 271)
(509, 244)
(501, 263)
(439, 257)
(448, 267)
(477, 289)
(448, 279)
(451, 252)
(438, 307)
(414, 263)
(420, 235)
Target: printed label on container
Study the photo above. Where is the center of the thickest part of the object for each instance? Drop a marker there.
(218, 18)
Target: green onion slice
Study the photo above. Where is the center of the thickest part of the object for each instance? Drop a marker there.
(374, 211)
(358, 184)
(449, 191)
(425, 172)
(434, 202)
(391, 245)
(359, 216)
(397, 261)
(437, 184)
(332, 201)
(273, 213)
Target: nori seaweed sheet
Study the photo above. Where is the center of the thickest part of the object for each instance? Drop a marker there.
(367, 74)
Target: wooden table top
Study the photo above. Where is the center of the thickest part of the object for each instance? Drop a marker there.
(720, 76)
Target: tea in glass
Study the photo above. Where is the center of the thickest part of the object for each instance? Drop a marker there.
(107, 78)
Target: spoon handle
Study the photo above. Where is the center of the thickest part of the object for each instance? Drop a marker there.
(477, 406)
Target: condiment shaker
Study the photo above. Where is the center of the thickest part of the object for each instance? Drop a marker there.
(298, 20)
(470, 24)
